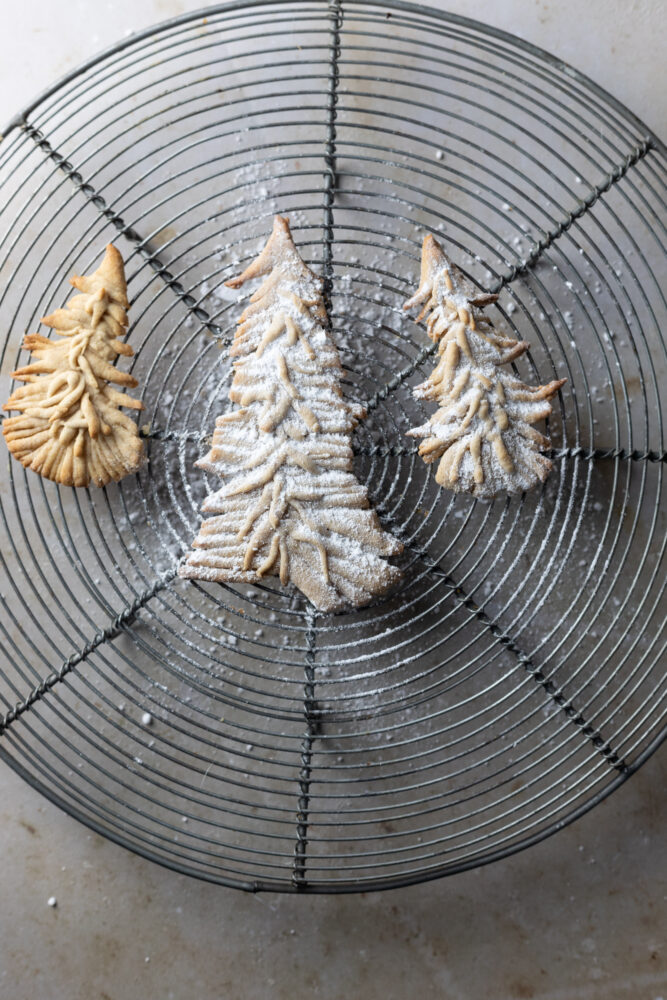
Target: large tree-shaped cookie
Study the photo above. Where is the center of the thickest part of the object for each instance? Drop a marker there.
(482, 434)
(70, 428)
(290, 504)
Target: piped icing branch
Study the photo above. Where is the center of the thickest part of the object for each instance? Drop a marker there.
(70, 428)
(481, 436)
(290, 505)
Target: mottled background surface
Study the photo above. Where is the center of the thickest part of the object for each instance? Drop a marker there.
(581, 915)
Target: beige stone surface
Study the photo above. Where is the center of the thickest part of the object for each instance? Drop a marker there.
(582, 915)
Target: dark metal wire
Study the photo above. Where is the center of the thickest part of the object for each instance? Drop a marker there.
(517, 675)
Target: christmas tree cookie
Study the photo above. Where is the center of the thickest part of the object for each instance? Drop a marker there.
(482, 434)
(290, 505)
(70, 428)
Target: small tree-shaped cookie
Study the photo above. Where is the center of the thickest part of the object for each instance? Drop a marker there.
(290, 505)
(70, 428)
(482, 434)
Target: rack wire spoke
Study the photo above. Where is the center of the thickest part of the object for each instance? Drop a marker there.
(514, 678)
(312, 719)
(119, 623)
(310, 708)
(141, 244)
(556, 696)
(399, 450)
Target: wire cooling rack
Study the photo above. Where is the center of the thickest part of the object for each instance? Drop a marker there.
(515, 678)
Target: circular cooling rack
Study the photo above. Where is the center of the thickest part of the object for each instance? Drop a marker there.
(516, 676)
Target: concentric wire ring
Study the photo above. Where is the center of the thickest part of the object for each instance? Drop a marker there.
(517, 674)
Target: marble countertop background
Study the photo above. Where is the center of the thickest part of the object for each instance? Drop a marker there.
(581, 915)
